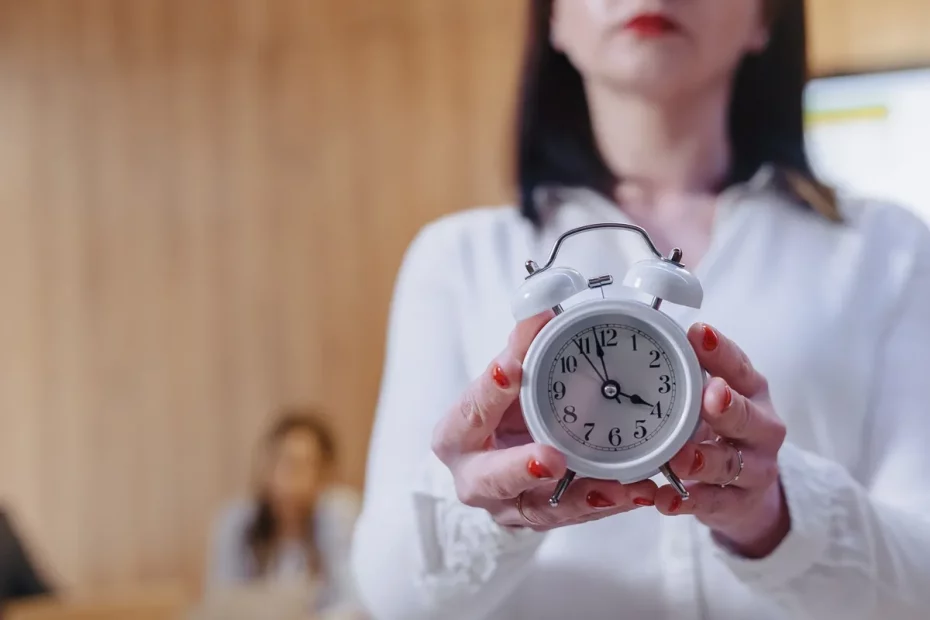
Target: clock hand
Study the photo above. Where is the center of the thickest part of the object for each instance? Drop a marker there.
(634, 398)
(578, 344)
(600, 354)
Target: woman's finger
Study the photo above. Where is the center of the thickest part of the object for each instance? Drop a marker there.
(482, 478)
(525, 332)
(721, 357)
(467, 426)
(585, 500)
(732, 415)
(475, 417)
(703, 433)
(719, 463)
(706, 501)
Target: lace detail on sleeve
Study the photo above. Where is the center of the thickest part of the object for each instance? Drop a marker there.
(463, 548)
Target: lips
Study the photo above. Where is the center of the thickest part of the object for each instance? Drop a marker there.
(651, 25)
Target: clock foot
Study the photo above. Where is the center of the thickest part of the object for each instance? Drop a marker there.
(561, 488)
(675, 481)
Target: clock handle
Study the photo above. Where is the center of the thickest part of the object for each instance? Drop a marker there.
(675, 481)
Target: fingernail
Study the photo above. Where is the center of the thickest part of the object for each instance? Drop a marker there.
(698, 463)
(538, 470)
(710, 339)
(675, 505)
(727, 397)
(596, 499)
(500, 378)
(642, 501)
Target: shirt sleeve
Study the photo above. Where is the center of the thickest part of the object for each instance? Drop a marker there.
(337, 515)
(865, 544)
(418, 552)
(228, 561)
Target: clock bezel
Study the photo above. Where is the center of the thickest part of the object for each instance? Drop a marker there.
(688, 399)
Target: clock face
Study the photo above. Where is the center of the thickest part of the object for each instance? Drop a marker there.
(615, 386)
(609, 389)
(612, 387)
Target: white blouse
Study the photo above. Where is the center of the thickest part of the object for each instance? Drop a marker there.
(836, 316)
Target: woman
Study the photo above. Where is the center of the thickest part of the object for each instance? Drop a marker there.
(685, 118)
(297, 529)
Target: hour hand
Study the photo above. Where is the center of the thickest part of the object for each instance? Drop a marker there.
(636, 399)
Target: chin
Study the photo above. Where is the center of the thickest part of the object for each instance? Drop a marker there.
(653, 82)
(651, 70)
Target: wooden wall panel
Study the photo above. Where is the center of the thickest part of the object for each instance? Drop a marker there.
(849, 35)
(202, 209)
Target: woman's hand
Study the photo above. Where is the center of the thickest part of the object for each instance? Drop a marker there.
(742, 503)
(484, 442)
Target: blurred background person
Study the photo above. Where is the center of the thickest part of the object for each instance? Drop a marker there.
(685, 118)
(19, 577)
(296, 529)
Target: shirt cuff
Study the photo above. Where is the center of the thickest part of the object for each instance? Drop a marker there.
(462, 547)
(811, 486)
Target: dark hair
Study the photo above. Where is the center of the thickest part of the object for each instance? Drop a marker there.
(262, 532)
(556, 143)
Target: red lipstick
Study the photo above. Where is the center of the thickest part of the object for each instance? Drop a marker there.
(651, 25)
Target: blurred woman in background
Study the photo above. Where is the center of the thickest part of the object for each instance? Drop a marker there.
(297, 528)
(684, 117)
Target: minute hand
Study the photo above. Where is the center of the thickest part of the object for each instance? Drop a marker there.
(600, 353)
(585, 355)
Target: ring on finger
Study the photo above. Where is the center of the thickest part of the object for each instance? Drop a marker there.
(519, 504)
(739, 471)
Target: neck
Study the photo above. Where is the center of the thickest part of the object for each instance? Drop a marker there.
(660, 147)
(291, 523)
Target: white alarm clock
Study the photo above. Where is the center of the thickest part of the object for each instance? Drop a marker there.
(613, 384)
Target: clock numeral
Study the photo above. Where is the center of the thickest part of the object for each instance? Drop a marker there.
(569, 364)
(655, 359)
(609, 338)
(634, 342)
(589, 426)
(614, 437)
(640, 429)
(558, 390)
(584, 345)
(569, 415)
(666, 387)
(657, 410)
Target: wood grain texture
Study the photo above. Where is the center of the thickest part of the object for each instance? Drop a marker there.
(203, 204)
(851, 35)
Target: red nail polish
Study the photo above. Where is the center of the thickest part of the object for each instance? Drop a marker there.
(675, 505)
(538, 470)
(500, 378)
(698, 463)
(642, 501)
(596, 499)
(710, 339)
(727, 397)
